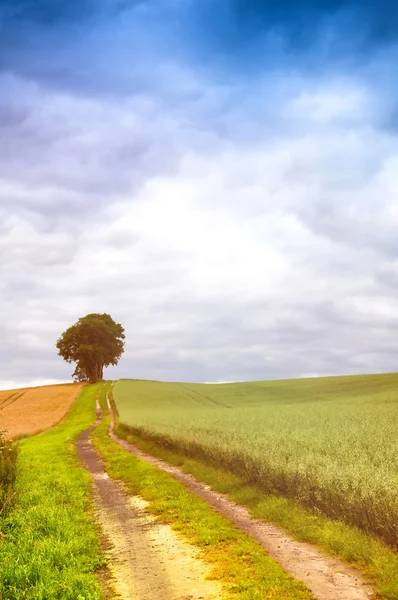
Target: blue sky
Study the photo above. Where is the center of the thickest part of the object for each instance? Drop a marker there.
(221, 177)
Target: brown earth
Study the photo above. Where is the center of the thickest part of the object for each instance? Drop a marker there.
(326, 577)
(146, 559)
(31, 410)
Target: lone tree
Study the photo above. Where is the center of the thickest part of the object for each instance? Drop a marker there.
(94, 342)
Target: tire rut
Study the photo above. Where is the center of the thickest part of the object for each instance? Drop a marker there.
(147, 560)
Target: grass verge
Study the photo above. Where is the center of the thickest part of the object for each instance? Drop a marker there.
(51, 546)
(242, 566)
(377, 561)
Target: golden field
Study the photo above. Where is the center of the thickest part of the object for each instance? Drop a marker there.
(30, 410)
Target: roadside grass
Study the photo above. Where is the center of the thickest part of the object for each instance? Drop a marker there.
(376, 560)
(51, 546)
(242, 566)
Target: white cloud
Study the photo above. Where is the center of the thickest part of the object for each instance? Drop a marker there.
(339, 101)
(226, 255)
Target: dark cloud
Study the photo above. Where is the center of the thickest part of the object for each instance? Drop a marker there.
(46, 12)
(58, 12)
(61, 44)
(301, 23)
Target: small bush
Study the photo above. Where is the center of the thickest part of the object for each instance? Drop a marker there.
(8, 471)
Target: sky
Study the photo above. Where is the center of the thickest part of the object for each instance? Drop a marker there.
(221, 176)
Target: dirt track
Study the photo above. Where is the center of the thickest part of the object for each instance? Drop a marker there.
(328, 578)
(147, 560)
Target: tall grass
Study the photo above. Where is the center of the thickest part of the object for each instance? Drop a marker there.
(8, 472)
(329, 443)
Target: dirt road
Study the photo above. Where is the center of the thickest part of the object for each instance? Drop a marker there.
(146, 559)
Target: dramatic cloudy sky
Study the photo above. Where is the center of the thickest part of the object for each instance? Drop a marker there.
(221, 176)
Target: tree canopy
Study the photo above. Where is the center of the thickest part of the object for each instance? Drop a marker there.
(94, 342)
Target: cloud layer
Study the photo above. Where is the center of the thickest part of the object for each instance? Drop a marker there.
(228, 193)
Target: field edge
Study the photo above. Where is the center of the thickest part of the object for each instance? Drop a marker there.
(373, 558)
(52, 544)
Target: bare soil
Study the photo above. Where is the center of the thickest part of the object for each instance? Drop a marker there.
(326, 577)
(146, 559)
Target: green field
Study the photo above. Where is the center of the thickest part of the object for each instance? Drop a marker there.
(331, 443)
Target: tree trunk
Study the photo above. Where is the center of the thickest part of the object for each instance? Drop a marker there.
(96, 371)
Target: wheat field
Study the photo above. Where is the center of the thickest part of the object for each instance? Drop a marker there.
(28, 411)
(330, 443)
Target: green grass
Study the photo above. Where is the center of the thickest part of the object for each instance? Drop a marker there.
(51, 546)
(330, 443)
(242, 566)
